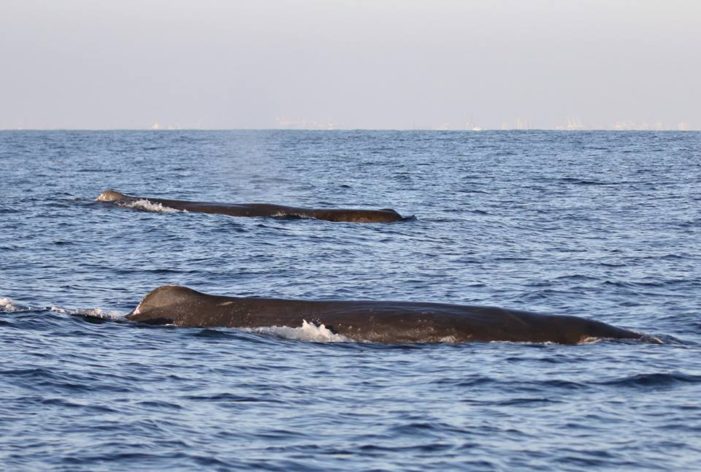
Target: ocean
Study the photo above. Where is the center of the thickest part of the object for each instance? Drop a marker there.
(602, 225)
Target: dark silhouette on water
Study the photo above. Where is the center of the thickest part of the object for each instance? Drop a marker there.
(262, 209)
(374, 321)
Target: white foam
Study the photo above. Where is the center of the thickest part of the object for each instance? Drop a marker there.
(283, 214)
(7, 305)
(148, 205)
(589, 340)
(306, 332)
(100, 313)
(90, 312)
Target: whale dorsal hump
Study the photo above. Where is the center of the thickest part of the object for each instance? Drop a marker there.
(111, 196)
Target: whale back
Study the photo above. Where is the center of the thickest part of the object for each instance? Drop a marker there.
(385, 215)
(374, 321)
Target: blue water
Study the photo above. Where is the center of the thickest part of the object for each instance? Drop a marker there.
(605, 225)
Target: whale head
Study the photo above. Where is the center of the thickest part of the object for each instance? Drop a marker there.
(164, 304)
(111, 196)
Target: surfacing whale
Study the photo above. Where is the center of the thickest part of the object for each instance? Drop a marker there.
(372, 321)
(386, 215)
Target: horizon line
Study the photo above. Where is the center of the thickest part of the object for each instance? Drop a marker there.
(453, 130)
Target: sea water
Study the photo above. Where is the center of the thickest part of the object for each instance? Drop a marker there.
(604, 225)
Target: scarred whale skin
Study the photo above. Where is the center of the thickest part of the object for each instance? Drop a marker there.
(386, 215)
(373, 321)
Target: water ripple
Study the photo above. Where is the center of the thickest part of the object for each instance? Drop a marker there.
(594, 224)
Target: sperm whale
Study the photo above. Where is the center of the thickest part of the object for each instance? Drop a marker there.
(350, 215)
(373, 321)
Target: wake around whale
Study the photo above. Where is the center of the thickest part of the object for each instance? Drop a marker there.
(372, 321)
(386, 215)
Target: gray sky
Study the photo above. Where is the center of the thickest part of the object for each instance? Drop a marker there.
(350, 63)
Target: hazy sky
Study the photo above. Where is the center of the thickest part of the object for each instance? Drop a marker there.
(350, 63)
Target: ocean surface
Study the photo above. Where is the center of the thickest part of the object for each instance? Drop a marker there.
(604, 225)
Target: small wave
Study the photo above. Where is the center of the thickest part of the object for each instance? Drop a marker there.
(307, 332)
(645, 338)
(99, 313)
(88, 313)
(147, 205)
(654, 380)
(577, 181)
(7, 305)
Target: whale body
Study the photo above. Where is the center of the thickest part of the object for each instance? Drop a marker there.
(261, 209)
(372, 321)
